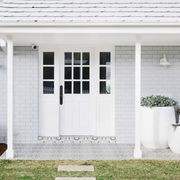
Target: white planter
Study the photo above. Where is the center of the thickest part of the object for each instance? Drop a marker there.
(174, 139)
(155, 124)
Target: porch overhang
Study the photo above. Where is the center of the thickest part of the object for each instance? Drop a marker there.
(125, 35)
(6, 28)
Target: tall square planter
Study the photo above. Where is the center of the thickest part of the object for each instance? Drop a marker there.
(155, 125)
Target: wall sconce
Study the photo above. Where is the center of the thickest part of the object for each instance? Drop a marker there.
(164, 61)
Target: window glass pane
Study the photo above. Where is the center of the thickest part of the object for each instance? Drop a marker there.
(48, 58)
(85, 87)
(85, 72)
(48, 72)
(77, 87)
(105, 72)
(68, 58)
(77, 58)
(76, 72)
(48, 87)
(105, 87)
(105, 58)
(68, 72)
(67, 87)
(85, 58)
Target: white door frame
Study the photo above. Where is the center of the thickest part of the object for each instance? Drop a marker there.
(108, 131)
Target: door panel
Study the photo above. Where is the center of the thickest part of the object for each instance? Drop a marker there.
(48, 92)
(78, 109)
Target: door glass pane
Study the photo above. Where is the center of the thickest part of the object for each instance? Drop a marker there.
(77, 58)
(85, 72)
(68, 72)
(76, 72)
(85, 58)
(105, 72)
(48, 72)
(68, 58)
(67, 87)
(105, 58)
(105, 87)
(85, 87)
(48, 58)
(77, 87)
(48, 87)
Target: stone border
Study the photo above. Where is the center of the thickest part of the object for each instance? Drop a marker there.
(77, 140)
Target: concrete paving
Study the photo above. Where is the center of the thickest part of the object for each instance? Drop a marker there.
(75, 178)
(87, 152)
(75, 168)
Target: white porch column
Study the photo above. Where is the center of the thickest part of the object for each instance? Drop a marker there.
(10, 151)
(137, 149)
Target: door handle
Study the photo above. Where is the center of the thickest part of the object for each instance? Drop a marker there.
(61, 95)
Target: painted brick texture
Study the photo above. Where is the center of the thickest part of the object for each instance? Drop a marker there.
(3, 89)
(25, 95)
(155, 80)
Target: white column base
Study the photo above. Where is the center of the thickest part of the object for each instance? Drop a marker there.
(137, 153)
(10, 154)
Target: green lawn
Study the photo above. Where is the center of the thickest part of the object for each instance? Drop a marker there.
(104, 170)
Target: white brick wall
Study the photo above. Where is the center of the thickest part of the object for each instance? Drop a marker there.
(124, 88)
(155, 80)
(3, 89)
(25, 96)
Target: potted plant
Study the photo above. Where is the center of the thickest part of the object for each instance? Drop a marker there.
(157, 116)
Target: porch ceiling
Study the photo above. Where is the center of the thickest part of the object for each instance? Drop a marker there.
(95, 38)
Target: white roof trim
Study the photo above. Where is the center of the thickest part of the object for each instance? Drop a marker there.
(87, 24)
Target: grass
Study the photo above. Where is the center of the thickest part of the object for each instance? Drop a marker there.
(104, 170)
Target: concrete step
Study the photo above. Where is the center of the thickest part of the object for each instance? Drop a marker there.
(75, 168)
(75, 178)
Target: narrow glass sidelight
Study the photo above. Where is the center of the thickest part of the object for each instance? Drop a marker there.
(48, 72)
(105, 73)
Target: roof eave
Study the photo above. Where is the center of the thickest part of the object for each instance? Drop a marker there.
(85, 24)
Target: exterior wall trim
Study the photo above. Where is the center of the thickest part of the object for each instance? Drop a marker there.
(91, 29)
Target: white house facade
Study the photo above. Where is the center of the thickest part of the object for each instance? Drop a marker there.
(76, 70)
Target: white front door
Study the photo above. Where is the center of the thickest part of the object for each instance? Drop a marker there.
(76, 91)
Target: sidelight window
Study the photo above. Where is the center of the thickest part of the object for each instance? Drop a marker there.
(105, 73)
(48, 73)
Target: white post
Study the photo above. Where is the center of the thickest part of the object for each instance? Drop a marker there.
(10, 151)
(137, 149)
